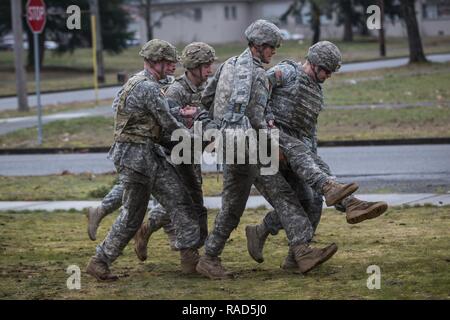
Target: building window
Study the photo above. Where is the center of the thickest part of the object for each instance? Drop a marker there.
(230, 13)
(233, 13)
(198, 14)
(438, 10)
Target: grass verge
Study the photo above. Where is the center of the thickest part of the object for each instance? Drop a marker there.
(86, 186)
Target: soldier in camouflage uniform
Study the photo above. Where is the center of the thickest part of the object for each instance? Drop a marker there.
(184, 100)
(243, 79)
(113, 200)
(142, 113)
(296, 101)
(185, 92)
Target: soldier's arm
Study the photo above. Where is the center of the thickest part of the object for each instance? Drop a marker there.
(157, 104)
(256, 109)
(210, 89)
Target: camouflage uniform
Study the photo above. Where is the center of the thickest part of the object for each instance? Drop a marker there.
(183, 92)
(142, 112)
(238, 178)
(113, 200)
(296, 101)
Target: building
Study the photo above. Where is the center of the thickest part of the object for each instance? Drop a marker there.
(222, 21)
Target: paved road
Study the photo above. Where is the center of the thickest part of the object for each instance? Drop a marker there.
(105, 93)
(414, 169)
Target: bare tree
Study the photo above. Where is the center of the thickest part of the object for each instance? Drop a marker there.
(347, 13)
(381, 40)
(21, 76)
(315, 21)
(415, 42)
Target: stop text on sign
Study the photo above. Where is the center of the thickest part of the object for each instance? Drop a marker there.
(36, 13)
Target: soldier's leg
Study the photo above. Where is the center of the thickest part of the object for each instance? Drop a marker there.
(238, 180)
(191, 176)
(237, 183)
(308, 166)
(295, 222)
(137, 189)
(111, 202)
(282, 197)
(170, 191)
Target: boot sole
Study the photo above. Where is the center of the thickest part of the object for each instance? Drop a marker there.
(249, 233)
(345, 193)
(326, 258)
(374, 211)
(93, 237)
(141, 258)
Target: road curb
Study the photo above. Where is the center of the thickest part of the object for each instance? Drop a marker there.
(343, 143)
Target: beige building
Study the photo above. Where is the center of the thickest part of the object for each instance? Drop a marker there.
(222, 21)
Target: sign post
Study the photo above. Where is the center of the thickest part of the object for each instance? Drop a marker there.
(36, 18)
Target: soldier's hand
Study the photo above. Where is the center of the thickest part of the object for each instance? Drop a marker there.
(188, 112)
(271, 124)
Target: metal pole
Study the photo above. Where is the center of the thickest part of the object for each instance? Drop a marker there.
(94, 56)
(38, 85)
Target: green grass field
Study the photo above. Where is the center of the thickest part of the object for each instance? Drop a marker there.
(71, 71)
(410, 245)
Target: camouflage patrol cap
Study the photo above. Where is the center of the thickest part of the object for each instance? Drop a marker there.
(326, 55)
(158, 50)
(196, 54)
(263, 32)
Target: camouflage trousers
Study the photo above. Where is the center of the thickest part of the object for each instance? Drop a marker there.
(137, 189)
(158, 217)
(304, 162)
(301, 155)
(237, 183)
(191, 176)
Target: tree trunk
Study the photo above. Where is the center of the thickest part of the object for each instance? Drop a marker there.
(381, 39)
(315, 22)
(148, 19)
(415, 42)
(347, 10)
(21, 76)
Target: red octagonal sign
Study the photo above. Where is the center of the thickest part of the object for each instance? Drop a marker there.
(36, 15)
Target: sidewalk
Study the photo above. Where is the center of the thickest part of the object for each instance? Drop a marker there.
(215, 202)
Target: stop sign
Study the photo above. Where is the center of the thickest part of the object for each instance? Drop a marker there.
(36, 15)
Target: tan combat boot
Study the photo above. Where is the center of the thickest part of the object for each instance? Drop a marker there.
(141, 240)
(94, 215)
(189, 260)
(334, 192)
(212, 268)
(308, 258)
(289, 262)
(358, 210)
(100, 270)
(256, 236)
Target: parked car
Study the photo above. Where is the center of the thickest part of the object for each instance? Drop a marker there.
(286, 35)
